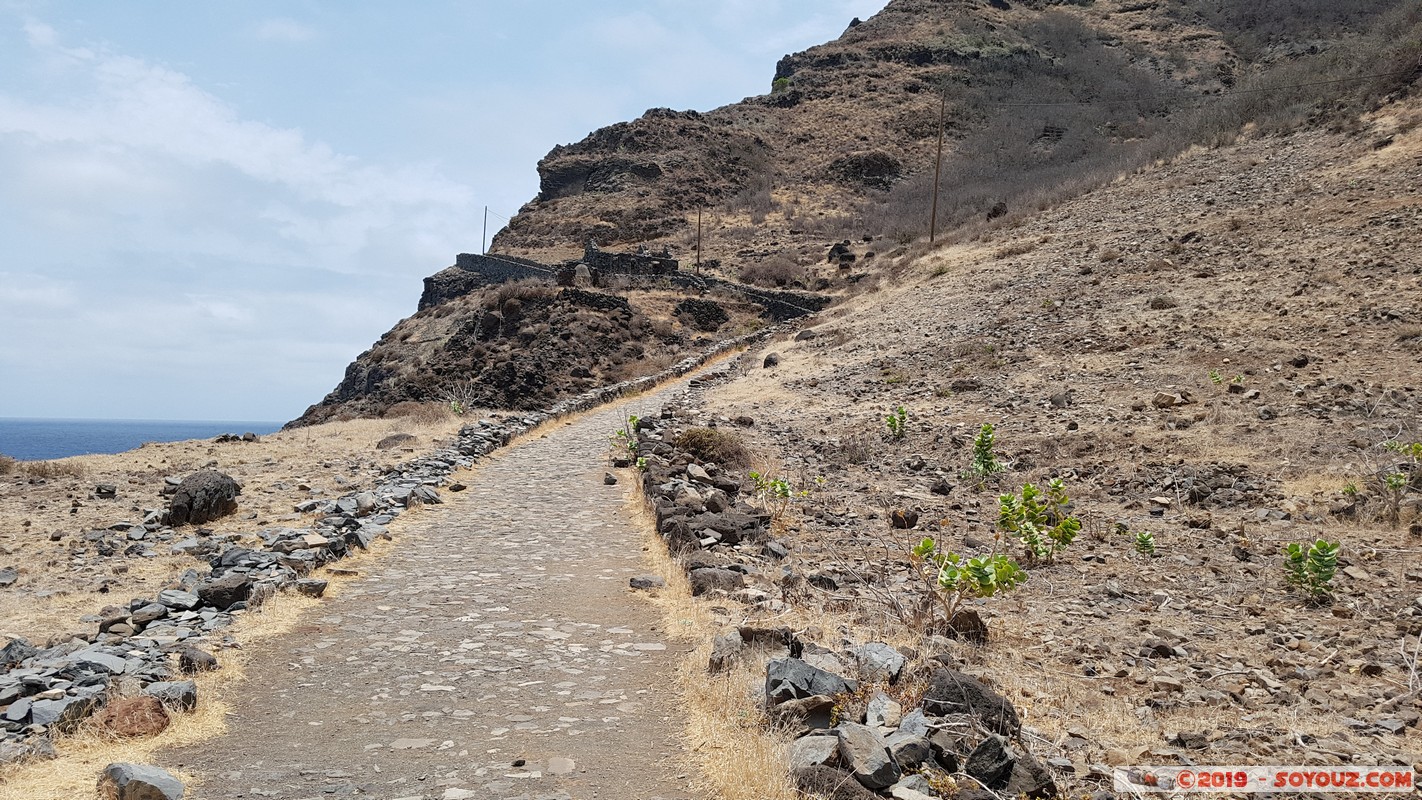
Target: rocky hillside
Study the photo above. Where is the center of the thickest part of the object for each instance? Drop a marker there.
(1217, 356)
(1040, 94)
(839, 154)
(525, 344)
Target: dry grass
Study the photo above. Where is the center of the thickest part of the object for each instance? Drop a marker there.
(715, 445)
(42, 524)
(50, 470)
(85, 754)
(727, 736)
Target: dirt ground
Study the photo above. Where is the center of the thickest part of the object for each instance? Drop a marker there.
(1215, 351)
(62, 575)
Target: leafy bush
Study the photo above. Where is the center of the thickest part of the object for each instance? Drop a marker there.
(1312, 570)
(985, 461)
(1144, 542)
(1039, 521)
(953, 579)
(714, 445)
(624, 439)
(774, 495)
(897, 423)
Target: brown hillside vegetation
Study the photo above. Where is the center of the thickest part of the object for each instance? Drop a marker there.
(1216, 351)
(1043, 99)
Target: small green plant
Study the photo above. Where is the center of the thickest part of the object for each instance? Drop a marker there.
(985, 462)
(457, 408)
(625, 438)
(1145, 543)
(779, 85)
(1216, 378)
(1394, 488)
(1350, 490)
(1412, 450)
(642, 464)
(897, 423)
(1039, 520)
(1238, 379)
(775, 495)
(1311, 569)
(953, 579)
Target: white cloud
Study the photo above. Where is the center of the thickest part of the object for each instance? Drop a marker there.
(153, 231)
(283, 29)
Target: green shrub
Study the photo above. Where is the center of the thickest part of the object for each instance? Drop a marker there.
(1311, 570)
(1145, 543)
(952, 579)
(1039, 521)
(897, 423)
(985, 462)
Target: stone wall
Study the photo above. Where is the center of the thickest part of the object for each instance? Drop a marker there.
(472, 271)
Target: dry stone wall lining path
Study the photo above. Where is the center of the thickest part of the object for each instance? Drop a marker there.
(494, 653)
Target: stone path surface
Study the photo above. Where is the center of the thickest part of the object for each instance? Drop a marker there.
(496, 652)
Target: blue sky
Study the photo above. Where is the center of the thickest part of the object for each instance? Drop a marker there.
(208, 209)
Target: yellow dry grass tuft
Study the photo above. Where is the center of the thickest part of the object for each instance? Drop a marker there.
(727, 738)
(84, 755)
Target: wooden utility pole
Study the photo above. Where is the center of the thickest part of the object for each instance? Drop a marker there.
(938, 167)
(698, 240)
(484, 242)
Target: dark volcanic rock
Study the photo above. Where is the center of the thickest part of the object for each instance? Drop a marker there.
(830, 784)
(952, 692)
(791, 679)
(139, 782)
(222, 592)
(202, 497)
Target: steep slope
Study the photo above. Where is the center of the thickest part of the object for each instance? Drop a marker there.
(1038, 94)
(1217, 351)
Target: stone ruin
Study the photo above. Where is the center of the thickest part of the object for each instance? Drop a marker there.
(642, 262)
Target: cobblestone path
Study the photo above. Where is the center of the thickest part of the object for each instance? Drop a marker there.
(494, 653)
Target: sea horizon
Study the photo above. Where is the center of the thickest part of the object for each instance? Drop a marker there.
(44, 438)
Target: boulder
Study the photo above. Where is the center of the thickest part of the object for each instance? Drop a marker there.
(139, 782)
(725, 651)
(909, 751)
(793, 679)
(63, 714)
(771, 360)
(813, 751)
(395, 440)
(1030, 778)
(878, 662)
(202, 497)
(708, 579)
(221, 593)
(991, 762)
(132, 717)
(804, 716)
(952, 692)
(192, 660)
(16, 651)
(866, 755)
(181, 695)
(829, 783)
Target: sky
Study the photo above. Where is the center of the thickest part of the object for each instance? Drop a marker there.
(208, 209)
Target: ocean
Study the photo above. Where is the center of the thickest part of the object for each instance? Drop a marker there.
(41, 439)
